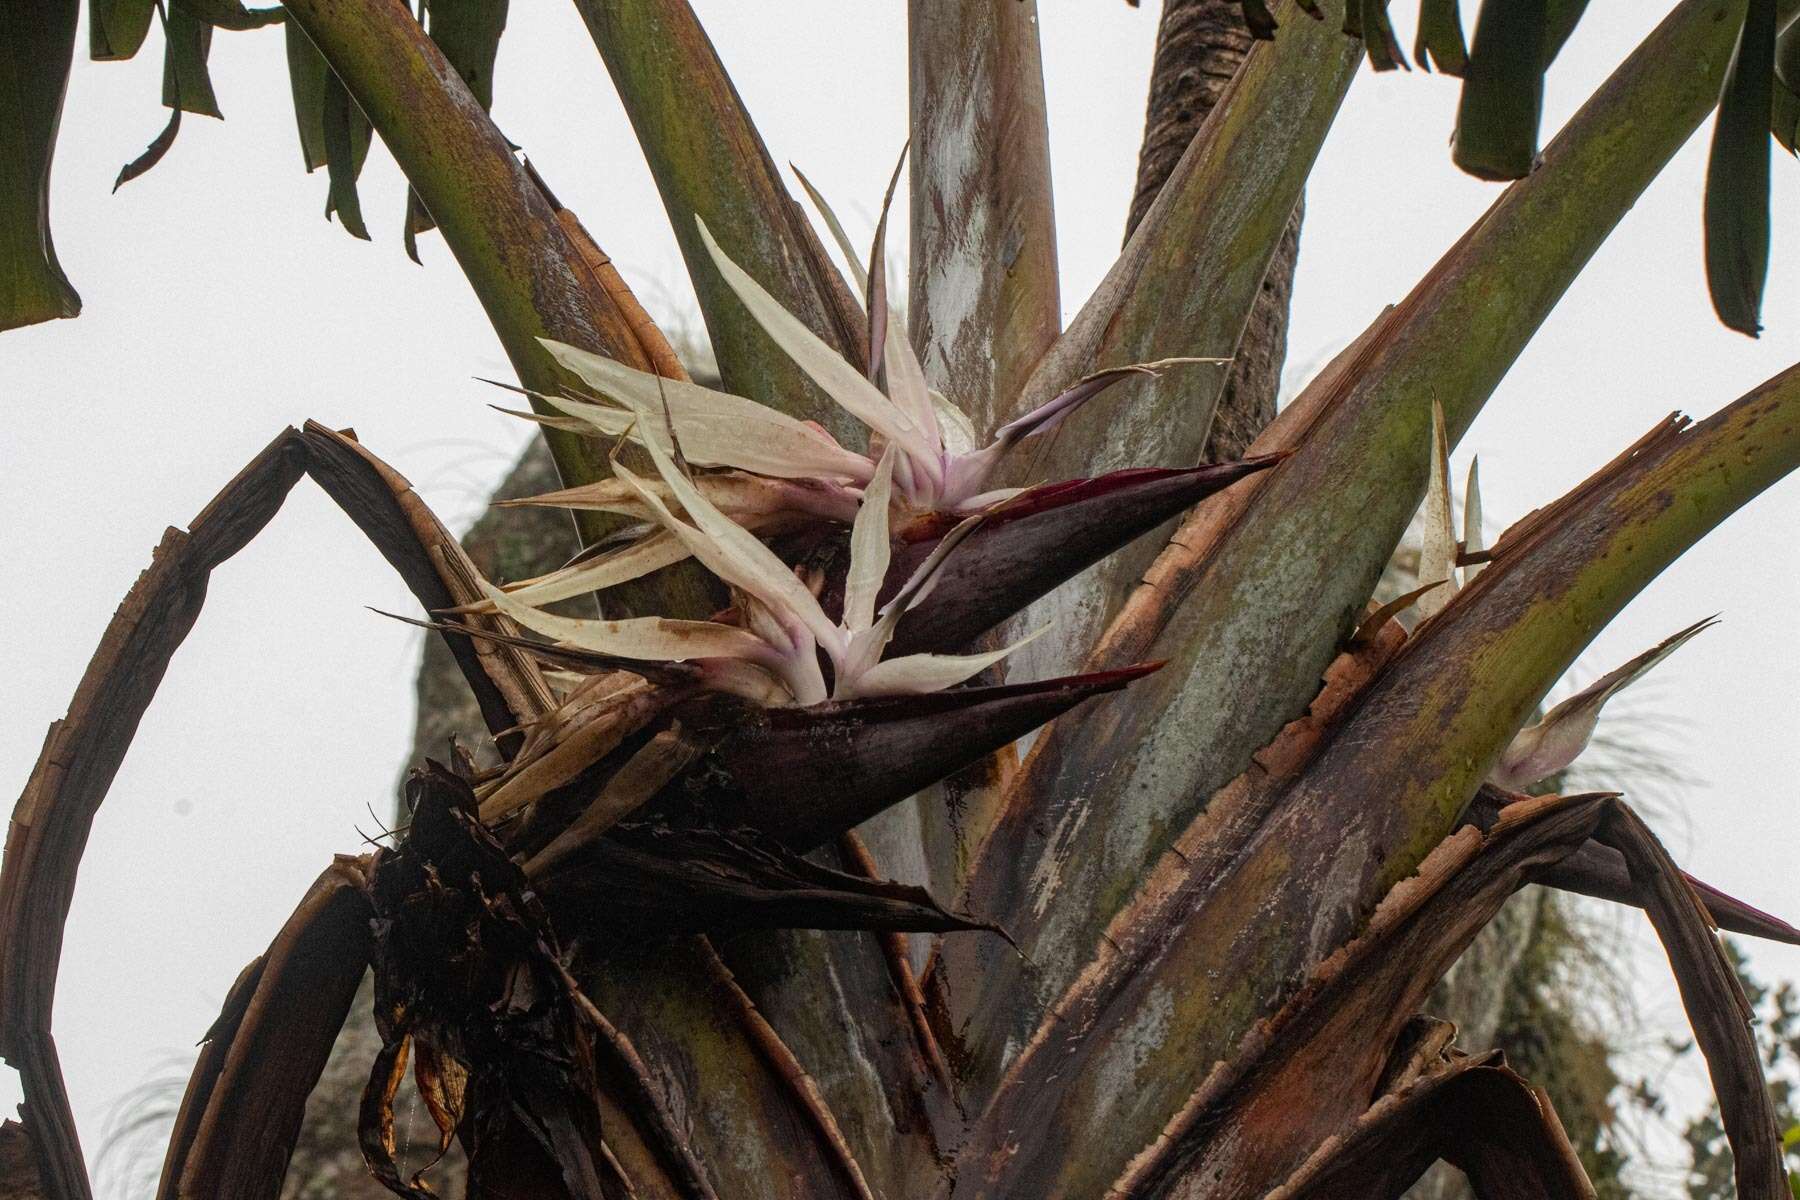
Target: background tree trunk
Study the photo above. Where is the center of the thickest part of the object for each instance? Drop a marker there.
(1199, 46)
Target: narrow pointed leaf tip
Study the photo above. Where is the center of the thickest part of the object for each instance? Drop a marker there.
(885, 749)
(1035, 541)
(1474, 535)
(1437, 551)
(1556, 741)
(1737, 176)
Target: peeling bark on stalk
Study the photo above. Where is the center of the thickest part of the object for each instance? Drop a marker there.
(1253, 596)
(961, 197)
(245, 1100)
(710, 1072)
(1173, 922)
(505, 543)
(708, 159)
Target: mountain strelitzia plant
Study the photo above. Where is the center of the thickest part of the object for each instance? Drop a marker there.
(1227, 885)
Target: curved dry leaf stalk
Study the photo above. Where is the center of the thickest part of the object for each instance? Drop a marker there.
(1473, 1113)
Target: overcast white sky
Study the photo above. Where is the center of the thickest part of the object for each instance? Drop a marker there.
(220, 306)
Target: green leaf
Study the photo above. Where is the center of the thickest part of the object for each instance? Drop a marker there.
(153, 153)
(1440, 34)
(116, 28)
(468, 32)
(1439, 43)
(418, 221)
(35, 55)
(1560, 19)
(306, 79)
(227, 14)
(1785, 109)
(346, 145)
(187, 86)
(1737, 176)
(186, 83)
(1378, 37)
(1503, 91)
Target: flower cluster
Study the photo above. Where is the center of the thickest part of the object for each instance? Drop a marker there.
(767, 473)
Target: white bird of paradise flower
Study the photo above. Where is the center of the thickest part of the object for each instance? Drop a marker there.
(773, 656)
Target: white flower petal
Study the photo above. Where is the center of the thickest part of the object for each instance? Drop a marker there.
(632, 561)
(824, 365)
(959, 431)
(866, 646)
(715, 428)
(1474, 539)
(1437, 551)
(870, 551)
(984, 500)
(912, 674)
(653, 638)
(734, 553)
(1556, 741)
(906, 380)
(756, 502)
